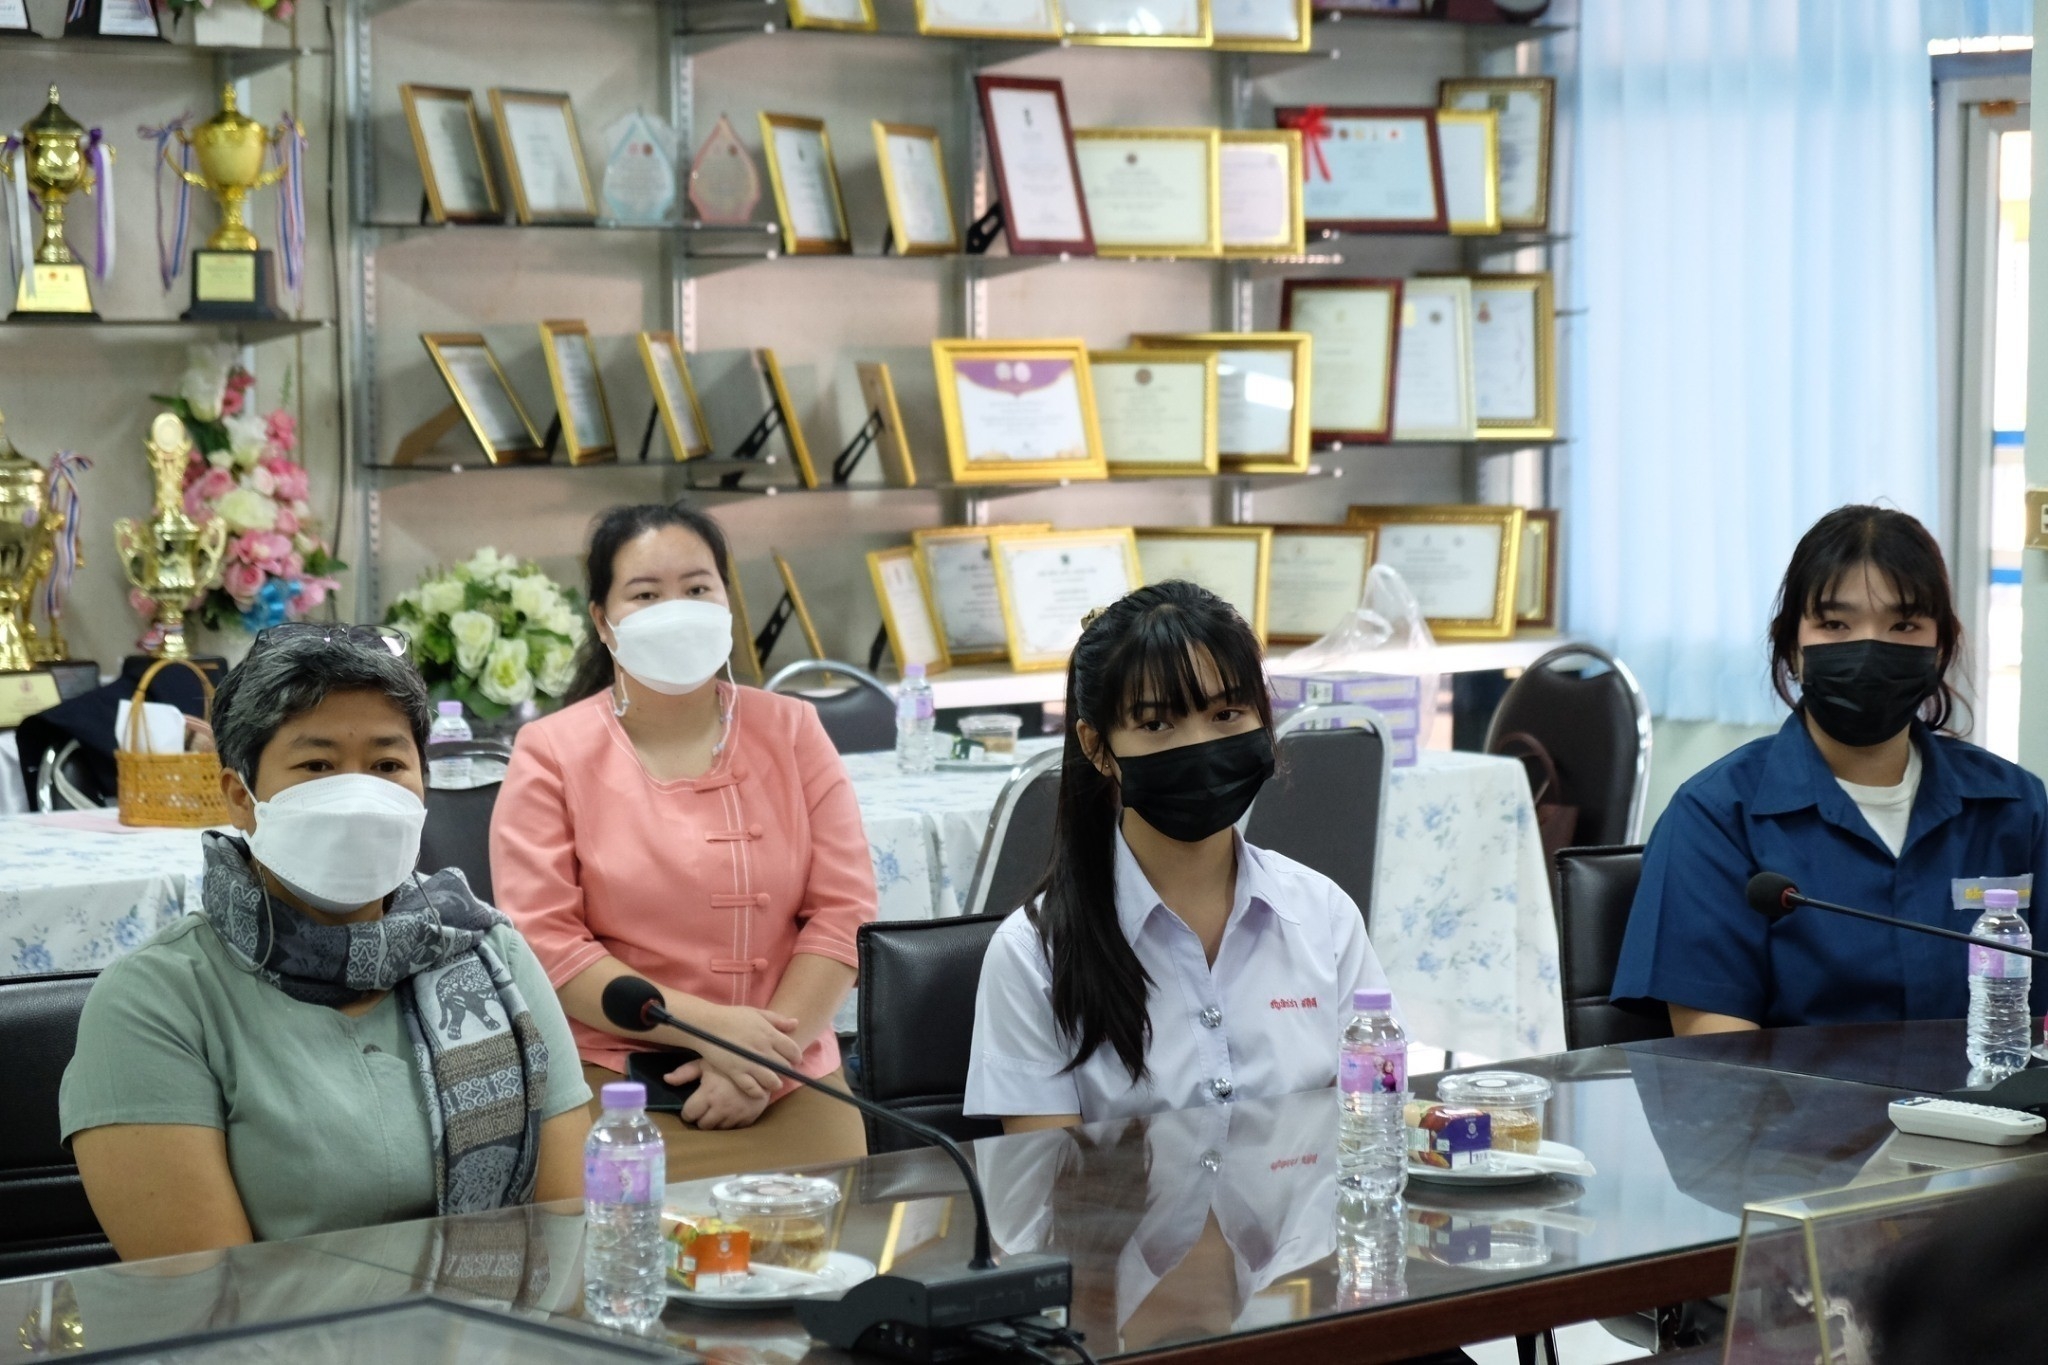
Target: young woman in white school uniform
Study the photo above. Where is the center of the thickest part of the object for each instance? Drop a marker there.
(1170, 964)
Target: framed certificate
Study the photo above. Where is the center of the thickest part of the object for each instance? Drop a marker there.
(675, 395)
(989, 19)
(962, 575)
(1262, 398)
(1038, 179)
(1469, 142)
(1049, 581)
(113, 19)
(806, 185)
(852, 16)
(792, 430)
(1230, 561)
(1261, 25)
(1356, 325)
(1137, 23)
(1151, 191)
(1536, 584)
(1460, 562)
(1525, 106)
(14, 19)
(1514, 357)
(1316, 580)
(1259, 186)
(448, 139)
(580, 406)
(1018, 410)
(478, 385)
(914, 182)
(802, 611)
(1370, 170)
(878, 391)
(1433, 392)
(907, 611)
(1156, 411)
(543, 156)
(746, 660)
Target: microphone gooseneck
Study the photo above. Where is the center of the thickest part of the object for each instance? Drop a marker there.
(1774, 896)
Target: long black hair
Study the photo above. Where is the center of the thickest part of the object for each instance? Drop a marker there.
(609, 534)
(1896, 547)
(1144, 650)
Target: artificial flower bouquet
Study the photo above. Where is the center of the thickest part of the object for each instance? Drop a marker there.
(492, 633)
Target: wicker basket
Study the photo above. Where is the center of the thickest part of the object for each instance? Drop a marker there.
(167, 791)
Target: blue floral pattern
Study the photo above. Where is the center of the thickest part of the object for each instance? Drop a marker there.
(76, 899)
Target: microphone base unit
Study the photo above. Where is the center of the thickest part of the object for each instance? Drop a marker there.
(925, 1316)
(2025, 1090)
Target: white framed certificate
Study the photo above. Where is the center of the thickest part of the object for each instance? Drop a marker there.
(1261, 25)
(1355, 324)
(806, 185)
(14, 16)
(448, 139)
(1018, 410)
(1469, 139)
(1049, 582)
(962, 575)
(580, 404)
(913, 168)
(989, 18)
(543, 156)
(1461, 562)
(483, 395)
(1433, 393)
(1038, 180)
(1137, 23)
(1316, 580)
(1151, 191)
(907, 612)
(125, 19)
(1259, 186)
(1230, 561)
(1156, 411)
(675, 395)
(1369, 169)
(1525, 106)
(1514, 357)
(852, 16)
(1263, 395)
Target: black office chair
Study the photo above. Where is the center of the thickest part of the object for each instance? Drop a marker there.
(1018, 845)
(1584, 706)
(860, 718)
(1596, 887)
(458, 828)
(1323, 806)
(918, 980)
(64, 781)
(49, 1227)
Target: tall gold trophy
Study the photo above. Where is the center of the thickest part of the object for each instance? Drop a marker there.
(231, 274)
(171, 558)
(28, 547)
(54, 162)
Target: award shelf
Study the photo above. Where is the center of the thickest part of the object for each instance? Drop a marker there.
(230, 63)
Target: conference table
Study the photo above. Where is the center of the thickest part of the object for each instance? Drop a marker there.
(1214, 1235)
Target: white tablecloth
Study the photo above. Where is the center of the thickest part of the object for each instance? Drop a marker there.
(75, 895)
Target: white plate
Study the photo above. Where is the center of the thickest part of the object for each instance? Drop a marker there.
(1507, 1168)
(775, 1286)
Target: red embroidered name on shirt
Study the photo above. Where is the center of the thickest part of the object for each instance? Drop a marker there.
(1306, 1159)
(1307, 1002)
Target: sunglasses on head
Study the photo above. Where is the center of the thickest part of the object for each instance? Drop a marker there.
(382, 637)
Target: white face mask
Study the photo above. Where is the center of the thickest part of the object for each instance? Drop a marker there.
(672, 647)
(339, 843)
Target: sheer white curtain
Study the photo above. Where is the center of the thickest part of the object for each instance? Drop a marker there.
(1754, 252)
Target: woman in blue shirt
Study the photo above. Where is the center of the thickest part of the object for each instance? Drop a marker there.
(1864, 797)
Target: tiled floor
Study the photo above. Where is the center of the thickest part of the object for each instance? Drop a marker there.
(1586, 1343)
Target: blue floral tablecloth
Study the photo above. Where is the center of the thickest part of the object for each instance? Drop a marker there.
(73, 898)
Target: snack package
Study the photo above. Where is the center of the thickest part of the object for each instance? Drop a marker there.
(710, 1253)
(1449, 1138)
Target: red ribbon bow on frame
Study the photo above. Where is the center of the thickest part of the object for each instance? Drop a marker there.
(1314, 125)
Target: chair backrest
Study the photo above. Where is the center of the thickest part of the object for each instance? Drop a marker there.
(458, 828)
(62, 781)
(859, 717)
(918, 980)
(1596, 888)
(1324, 804)
(1583, 705)
(48, 1226)
(1018, 846)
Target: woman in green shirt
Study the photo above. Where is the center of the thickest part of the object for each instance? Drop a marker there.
(334, 1040)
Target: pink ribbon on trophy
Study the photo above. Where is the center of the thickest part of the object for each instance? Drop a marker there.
(171, 255)
(1314, 124)
(100, 157)
(291, 203)
(65, 467)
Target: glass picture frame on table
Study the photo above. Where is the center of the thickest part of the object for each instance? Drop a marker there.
(448, 139)
(846, 16)
(1151, 192)
(1234, 562)
(1018, 411)
(1514, 356)
(484, 399)
(1012, 19)
(1049, 581)
(1526, 109)
(543, 154)
(1157, 411)
(806, 184)
(1434, 395)
(1315, 580)
(1462, 562)
(1469, 140)
(1037, 174)
(1258, 176)
(675, 395)
(581, 408)
(958, 565)
(1136, 23)
(1263, 395)
(913, 167)
(1369, 169)
(1355, 324)
(1262, 25)
(909, 615)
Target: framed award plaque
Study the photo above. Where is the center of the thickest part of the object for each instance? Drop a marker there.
(1037, 176)
(962, 577)
(484, 397)
(809, 627)
(1356, 326)
(1433, 390)
(1370, 170)
(448, 139)
(1514, 357)
(1315, 581)
(543, 156)
(913, 166)
(675, 395)
(580, 406)
(1461, 562)
(792, 430)
(1536, 587)
(1526, 108)
(1263, 395)
(1469, 140)
(878, 392)
(1230, 561)
(1048, 582)
(806, 185)
(746, 660)
(850, 16)
(1018, 411)
(989, 19)
(1259, 185)
(14, 19)
(1137, 23)
(1151, 191)
(1261, 25)
(1156, 411)
(908, 614)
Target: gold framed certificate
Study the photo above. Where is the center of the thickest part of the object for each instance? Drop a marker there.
(1470, 142)
(989, 19)
(962, 577)
(1261, 25)
(580, 406)
(1369, 169)
(1230, 561)
(1316, 580)
(1047, 582)
(878, 391)
(1355, 324)
(1461, 562)
(812, 641)
(543, 156)
(746, 660)
(1018, 410)
(1259, 193)
(1156, 411)
(1038, 180)
(1433, 392)
(1137, 23)
(849, 16)
(448, 139)
(792, 430)
(1262, 395)
(1151, 191)
(806, 185)
(1514, 357)
(908, 614)
(1536, 585)
(675, 395)
(914, 182)
(484, 396)
(1526, 108)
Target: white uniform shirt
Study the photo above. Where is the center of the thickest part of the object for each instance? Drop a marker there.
(1263, 1021)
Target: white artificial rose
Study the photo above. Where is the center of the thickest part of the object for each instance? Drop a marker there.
(221, 459)
(475, 634)
(247, 439)
(244, 509)
(565, 620)
(557, 669)
(533, 597)
(442, 597)
(202, 391)
(505, 679)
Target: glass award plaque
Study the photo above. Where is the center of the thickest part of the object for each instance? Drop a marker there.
(725, 186)
(639, 172)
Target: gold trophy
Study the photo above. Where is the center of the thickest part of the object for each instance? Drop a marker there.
(54, 162)
(28, 546)
(231, 277)
(171, 558)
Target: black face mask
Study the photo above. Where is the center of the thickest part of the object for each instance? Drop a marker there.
(1862, 692)
(1191, 792)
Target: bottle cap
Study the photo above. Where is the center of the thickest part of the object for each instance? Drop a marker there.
(624, 1095)
(450, 708)
(1369, 1001)
(913, 671)
(2001, 898)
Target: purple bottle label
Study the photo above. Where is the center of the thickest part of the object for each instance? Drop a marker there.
(1378, 1069)
(1997, 966)
(620, 1175)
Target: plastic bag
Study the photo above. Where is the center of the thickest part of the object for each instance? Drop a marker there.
(1388, 618)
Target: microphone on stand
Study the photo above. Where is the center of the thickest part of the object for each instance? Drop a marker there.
(926, 1315)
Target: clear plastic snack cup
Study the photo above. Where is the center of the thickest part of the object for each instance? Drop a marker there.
(783, 1213)
(1514, 1100)
(996, 733)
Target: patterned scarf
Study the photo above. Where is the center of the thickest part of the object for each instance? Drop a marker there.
(429, 947)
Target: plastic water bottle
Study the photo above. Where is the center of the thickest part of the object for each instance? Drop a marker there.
(914, 721)
(1372, 1249)
(625, 1173)
(1372, 1086)
(2000, 1026)
(449, 724)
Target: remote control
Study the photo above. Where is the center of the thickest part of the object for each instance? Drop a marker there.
(1961, 1122)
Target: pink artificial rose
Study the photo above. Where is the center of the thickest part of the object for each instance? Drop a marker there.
(287, 524)
(294, 566)
(243, 582)
(143, 604)
(231, 402)
(313, 592)
(215, 484)
(281, 429)
(291, 482)
(195, 504)
(263, 481)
